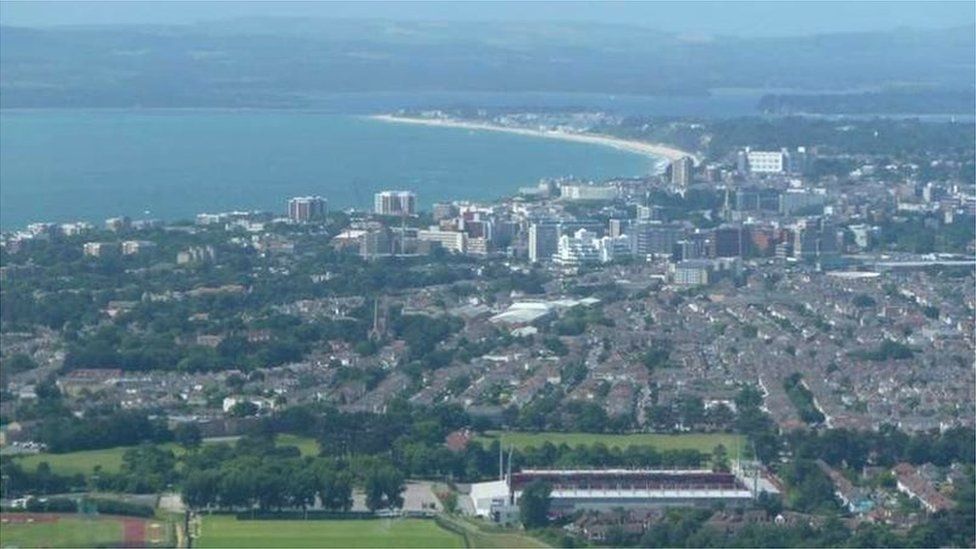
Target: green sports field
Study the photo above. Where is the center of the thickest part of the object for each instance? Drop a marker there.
(64, 532)
(225, 531)
(703, 442)
(484, 535)
(111, 458)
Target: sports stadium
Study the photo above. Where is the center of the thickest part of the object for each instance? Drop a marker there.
(596, 489)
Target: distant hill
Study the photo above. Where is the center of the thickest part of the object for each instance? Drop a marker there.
(287, 62)
(916, 101)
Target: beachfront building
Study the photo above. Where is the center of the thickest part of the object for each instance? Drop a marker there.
(395, 203)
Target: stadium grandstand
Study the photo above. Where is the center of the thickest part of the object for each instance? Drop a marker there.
(612, 488)
(574, 489)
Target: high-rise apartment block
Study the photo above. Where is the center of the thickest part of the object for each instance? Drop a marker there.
(682, 171)
(395, 203)
(303, 209)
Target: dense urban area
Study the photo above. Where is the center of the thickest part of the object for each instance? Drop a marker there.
(769, 343)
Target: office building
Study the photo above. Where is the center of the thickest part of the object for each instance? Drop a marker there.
(611, 248)
(305, 209)
(395, 203)
(766, 161)
(453, 241)
(864, 235)
(655, 238)
(478, 245)
(816, 239)
(691, 272)
(762, 240)
(543, 241)
(376, 243)
(730, 241)
(618, 227)
(757, 200)
(798, 201)
(696, 246)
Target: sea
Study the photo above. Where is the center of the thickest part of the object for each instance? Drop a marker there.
(67, 165)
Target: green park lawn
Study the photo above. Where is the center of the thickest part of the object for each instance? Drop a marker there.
(227, 531)
(703, 442)
(110, 459)
(66, 532)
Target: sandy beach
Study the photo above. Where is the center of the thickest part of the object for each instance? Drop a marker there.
(639, 147)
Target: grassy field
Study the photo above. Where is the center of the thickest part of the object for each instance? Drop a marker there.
(66, 532)
(483, 535)
(76, 462)
(224, 531)
(703, 442)
(111, 458)
(307, 446)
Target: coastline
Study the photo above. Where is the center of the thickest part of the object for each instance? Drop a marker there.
(656, 150)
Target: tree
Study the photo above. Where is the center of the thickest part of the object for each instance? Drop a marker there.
(720, 458)
(200, 488)
(809, 488)
(188, 435)
(301, 488)
(534, 505)
(270, 486)
(236, 488)
(19, 363)
(335, 490)
(384, 488)
(244, 408)
(450, 501)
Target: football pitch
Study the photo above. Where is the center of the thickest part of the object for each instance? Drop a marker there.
(227, 531)
(63, 530)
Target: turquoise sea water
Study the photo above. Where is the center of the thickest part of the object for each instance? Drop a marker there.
(89, 165)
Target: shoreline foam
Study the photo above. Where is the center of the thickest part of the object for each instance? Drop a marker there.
(656, 150)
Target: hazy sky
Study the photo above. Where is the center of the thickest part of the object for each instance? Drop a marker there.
(742, 18)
